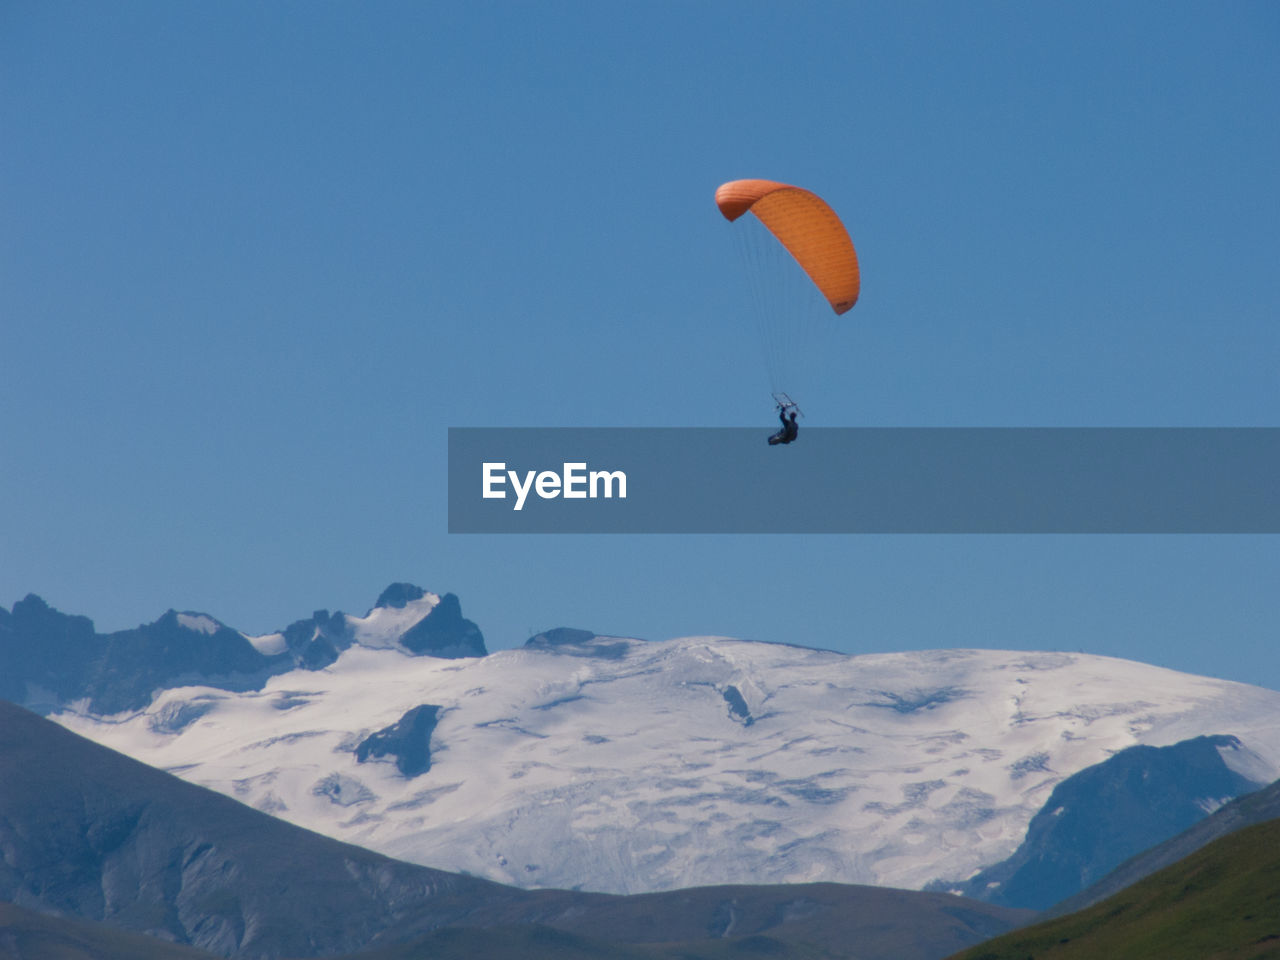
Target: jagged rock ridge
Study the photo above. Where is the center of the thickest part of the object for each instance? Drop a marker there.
(49, 659)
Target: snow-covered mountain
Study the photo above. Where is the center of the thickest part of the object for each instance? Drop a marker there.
(620, 765)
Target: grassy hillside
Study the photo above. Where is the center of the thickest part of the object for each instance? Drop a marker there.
(1220, 903)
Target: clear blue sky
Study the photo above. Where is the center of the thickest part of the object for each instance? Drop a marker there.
(256, 258)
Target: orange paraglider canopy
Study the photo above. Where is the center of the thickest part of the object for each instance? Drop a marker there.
(807, 227)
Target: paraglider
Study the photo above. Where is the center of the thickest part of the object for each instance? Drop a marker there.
(811, 232)
(790, 429)
(807, 227)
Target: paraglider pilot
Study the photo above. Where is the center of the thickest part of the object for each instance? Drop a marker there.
(790, 429)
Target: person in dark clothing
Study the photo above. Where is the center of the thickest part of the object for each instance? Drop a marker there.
(790, 429)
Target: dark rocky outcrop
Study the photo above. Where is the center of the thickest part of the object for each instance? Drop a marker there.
(578, 643)
(444, 632)
(408, 741)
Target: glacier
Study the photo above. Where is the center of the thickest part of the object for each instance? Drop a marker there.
(625, 766)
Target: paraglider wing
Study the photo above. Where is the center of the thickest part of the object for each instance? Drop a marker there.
(807, 227)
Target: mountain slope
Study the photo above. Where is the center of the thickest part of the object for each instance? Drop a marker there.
(830, 921)
(627, 766)
(819, 921)
(95, 835)
(1106, 813)
(1218, 904)
(1242, 812)
(89, 833)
